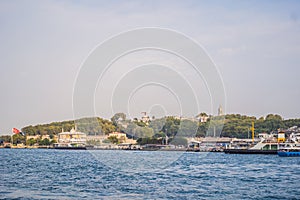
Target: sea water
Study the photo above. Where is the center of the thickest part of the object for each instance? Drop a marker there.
(78, 174)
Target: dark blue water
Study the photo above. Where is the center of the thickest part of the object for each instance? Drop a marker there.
(59, 174)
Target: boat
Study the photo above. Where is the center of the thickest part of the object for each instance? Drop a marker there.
(268, 144)
(249, 151)
(290, 150)
(69, 146)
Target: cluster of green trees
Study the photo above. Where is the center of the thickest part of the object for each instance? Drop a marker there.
(157, 130)
(43, 142)
(18, 139)
(237, 125)
(90, 125)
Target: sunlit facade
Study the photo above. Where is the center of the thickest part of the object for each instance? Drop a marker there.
(72, 137)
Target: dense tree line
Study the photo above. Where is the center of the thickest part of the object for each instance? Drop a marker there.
(91, 126)
(237, 125)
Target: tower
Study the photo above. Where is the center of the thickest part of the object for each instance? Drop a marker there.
(220, 111)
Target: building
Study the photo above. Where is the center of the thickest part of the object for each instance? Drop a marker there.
(41, 137)
(145, 118)
(73, 138)
(35, 137)
(95, 139)
(220, 111)
(202, 118)
(45, 137)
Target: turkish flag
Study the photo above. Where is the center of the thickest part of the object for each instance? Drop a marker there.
(16, 131)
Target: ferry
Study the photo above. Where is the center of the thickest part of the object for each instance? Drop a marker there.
(259, 148)
(268, 144)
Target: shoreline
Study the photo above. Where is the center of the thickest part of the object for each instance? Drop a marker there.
(119, 149)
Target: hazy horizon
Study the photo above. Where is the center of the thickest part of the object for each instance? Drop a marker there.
(255, 46)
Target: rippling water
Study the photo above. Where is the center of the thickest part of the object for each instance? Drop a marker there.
(60, 174)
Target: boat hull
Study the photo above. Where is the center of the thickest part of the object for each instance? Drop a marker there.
(249, 151)
(289, 154)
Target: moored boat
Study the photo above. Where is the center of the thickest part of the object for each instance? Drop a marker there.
(289, 153)
(291, 150)
(268, 145)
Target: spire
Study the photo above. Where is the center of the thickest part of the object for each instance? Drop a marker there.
(220, 111)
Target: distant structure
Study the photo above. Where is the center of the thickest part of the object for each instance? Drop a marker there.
(41, 137)
(122, 138)
(145, 118)
(73, 138)
(220, 111)
(193, 119)
(202, 117)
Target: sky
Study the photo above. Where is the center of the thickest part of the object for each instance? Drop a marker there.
(255, 46)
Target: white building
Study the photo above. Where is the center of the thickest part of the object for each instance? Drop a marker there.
(73, 137)
(145, 118)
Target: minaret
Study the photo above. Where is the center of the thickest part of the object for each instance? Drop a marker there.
(220, 111)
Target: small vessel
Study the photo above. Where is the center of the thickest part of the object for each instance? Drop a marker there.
(290, 150)
(259, 148)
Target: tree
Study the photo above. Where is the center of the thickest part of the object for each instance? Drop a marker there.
(202, 129)
(5, 138)
(179, 141)
(45, 142)
(171, 126)
(148, 140)
(157, 125)
(141, 124)
(113, 139)
(130, 129)
(187, 128)
(18, 139)
(53, 141)
(143, 132)
(273, 122)
(30, 142)
(274, 117)
(118, 117)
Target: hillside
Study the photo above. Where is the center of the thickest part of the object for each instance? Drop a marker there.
(235, 125)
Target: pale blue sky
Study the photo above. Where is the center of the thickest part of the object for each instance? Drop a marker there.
(255, 45)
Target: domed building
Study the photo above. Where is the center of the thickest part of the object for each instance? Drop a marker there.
(72, 138)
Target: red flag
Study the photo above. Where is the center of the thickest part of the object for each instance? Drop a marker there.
(16, 131)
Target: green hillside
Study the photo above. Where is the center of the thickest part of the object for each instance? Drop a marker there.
(235, 125)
